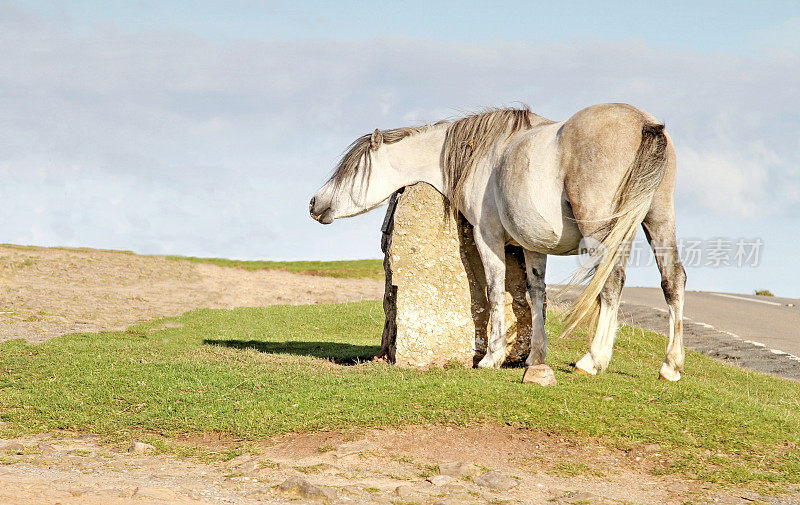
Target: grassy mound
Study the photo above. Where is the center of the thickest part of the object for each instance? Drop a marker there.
(256, 372)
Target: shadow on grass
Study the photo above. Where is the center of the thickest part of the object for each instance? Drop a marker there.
(338, 352)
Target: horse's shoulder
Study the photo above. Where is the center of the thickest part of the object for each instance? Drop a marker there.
(537, 143)
(538, 135)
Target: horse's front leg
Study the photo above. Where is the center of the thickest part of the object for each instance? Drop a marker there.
(491, 248)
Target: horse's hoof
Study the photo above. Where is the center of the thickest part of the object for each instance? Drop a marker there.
(585, 366)
(539, 374)
(668, 374)
(492, 360)
(484, 363)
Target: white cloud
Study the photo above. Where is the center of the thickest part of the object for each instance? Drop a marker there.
(732, 183)
(167, 142)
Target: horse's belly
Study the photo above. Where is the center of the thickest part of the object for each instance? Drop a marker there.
(544, 232)
(530, 195)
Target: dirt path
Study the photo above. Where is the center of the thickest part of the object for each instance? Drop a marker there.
(46, 292)
(415, 465)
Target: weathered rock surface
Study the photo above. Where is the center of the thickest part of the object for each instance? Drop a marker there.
(435, 302)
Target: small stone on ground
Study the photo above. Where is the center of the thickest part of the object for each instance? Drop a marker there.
(141, 447)
(440, 480)
(496, 480)
(458, 469)
(304, 489)
(539, 374)
(403, 490)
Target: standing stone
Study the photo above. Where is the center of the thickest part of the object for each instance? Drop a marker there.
(435, 302)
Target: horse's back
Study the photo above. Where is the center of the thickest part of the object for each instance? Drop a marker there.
(552, 176)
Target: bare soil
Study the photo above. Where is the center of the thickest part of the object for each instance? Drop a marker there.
(368, 466)
(49, 292)
(46, 292)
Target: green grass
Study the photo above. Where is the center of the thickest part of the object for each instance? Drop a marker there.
(256, 372)
(354, 269)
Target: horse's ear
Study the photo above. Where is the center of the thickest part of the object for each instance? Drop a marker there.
(376, 139)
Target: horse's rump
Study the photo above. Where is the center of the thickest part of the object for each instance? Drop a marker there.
(629, 206)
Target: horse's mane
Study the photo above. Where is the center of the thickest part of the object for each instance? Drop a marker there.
(470, 139)
(467, 141)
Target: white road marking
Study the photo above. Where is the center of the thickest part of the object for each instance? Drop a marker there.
(747, 299)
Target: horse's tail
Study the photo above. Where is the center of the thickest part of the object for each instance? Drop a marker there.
(631, 203)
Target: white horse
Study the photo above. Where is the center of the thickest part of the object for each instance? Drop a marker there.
(521, 179)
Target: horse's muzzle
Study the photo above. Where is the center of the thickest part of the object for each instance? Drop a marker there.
(323, 216)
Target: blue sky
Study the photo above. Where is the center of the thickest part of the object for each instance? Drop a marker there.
(734, 26)
(202, 128)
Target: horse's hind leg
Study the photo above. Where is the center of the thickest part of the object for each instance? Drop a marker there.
(659, 227)
(535, 264)
(599, 355)
(493, 256)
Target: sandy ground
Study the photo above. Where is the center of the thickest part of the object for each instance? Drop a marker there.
(369, 466)
(49, 292)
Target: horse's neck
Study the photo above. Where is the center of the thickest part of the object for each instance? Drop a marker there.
(417, 157)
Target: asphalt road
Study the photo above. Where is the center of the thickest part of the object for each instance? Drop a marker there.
(757, 332)
(775, 322)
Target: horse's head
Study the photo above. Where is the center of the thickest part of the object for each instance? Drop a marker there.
(362, 181)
